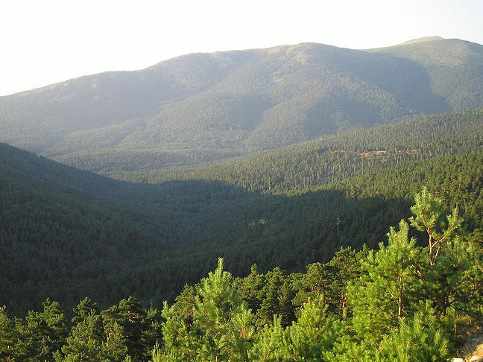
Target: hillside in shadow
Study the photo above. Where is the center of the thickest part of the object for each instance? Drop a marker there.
(66, 233)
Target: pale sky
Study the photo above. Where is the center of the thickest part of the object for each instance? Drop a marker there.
(47, 41)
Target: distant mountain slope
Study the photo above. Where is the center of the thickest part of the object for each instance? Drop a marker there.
(203, 107)
(454, 68)
(335, 157)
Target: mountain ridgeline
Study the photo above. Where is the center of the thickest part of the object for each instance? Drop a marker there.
(203, 107)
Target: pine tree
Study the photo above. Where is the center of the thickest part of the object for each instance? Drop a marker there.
(276, 298)
(85, 341)
(420, 338)
(384, 294)
(84, 309)
(314, 333)
(222, 327)
(429, 216)
(115, 344)
(271, 343)
(130, 316)
(7, 336)
(41, 334)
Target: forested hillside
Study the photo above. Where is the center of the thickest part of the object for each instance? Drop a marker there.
(435, 55)
(203, 107)
(411, 298)
(335, 157)
(68, 232)
(122, 247)
(65, 244)
(166, 199)
(58, 235)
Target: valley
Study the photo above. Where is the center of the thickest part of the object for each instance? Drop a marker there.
(298, 202)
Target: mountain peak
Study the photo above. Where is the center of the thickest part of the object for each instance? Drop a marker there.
(423, 39)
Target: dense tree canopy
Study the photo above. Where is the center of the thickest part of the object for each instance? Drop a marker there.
(397, 302)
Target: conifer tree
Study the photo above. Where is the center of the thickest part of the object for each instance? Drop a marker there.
(314, 333)
(86, 341)
(429, 216)
(420, 338)
(114, 345)
(130, 316)
(390, 284)
(41, 334)
(271, 343)
(7, 336)
(84, 309)
(222, 327)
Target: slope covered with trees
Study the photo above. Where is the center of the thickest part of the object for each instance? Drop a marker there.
(59, 234)
(203, 107)
(412, 298)
(335, 157)
(68, 232)
(64, 243)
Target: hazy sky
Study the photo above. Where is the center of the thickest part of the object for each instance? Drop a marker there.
(46, 41)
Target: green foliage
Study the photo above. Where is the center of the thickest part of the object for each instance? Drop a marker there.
(40, 334)
(389, 286)
(400, 307)
(73, 218)
(69, 233)
(7, 335)
(221, 327)
(84, 309)
(275, 295)
(271, 343)
(115, 344)
(130, 317)
(308, 338)
(420, 338)
(88, 244)
(156, 355)
(314, 333)
(429, 217)
(86, 341)
(333, 158)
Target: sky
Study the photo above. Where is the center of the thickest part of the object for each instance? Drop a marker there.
(47, 41)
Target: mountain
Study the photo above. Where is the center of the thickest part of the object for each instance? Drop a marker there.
(203, 107)
(423, 39)
(453, 66)
(68, 233)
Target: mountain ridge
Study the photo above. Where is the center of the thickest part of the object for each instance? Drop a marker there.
(423, 39)
(209, 106)
(216, 52)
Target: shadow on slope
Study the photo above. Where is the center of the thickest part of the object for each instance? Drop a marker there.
(149, 240)
(66, 248)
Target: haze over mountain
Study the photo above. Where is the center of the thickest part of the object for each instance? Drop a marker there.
(201, 107)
